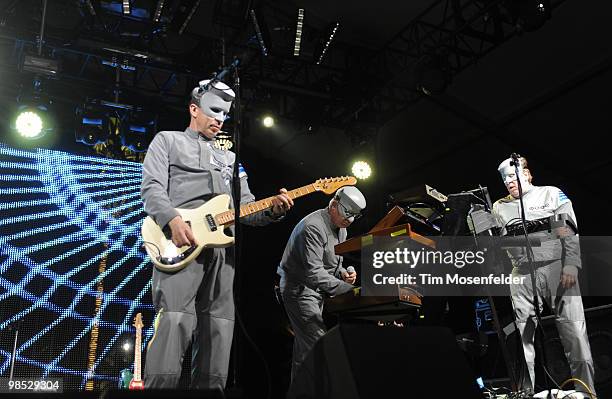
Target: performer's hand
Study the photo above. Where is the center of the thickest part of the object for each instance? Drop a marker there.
(181, 232)
(567, 280)
(349, 277)
(281, 203)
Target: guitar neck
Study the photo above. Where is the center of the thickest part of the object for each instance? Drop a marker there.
(137, 346)
(227, 217)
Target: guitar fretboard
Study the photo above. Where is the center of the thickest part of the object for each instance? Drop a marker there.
(227, 217)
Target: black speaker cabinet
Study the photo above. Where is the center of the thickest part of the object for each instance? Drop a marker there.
(368, 361)
(599, 328)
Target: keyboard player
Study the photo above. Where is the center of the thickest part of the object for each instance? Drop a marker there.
(310, 268)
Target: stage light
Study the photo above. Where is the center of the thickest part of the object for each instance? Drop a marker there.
(137, 131)
(189, 16)
(126, 7)
(41, 65)
(158, 10)
(91, 126)
(332, 32)
(33, 121)
(530, 15)
(29, 124)
(361, 170)
(126, 346)
(268, 121)
(298, 32)
(258, 34)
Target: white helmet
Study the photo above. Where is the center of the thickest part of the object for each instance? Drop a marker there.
(350, 202)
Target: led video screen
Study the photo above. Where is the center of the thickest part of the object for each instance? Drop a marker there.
(73, 273)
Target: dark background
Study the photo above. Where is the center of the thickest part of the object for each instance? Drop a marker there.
(505, 83)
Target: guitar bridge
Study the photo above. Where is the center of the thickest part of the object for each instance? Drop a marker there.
(211, 222)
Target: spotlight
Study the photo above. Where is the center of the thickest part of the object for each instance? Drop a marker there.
(33, 122)
(137, 131)
(91, 127)
(126, 7)
(126, 346)
(33, 118)
(268, 121)
(29, 124)
(361, 170)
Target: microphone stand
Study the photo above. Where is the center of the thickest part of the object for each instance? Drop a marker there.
(498, 328)
(536, 300)
(236, 194)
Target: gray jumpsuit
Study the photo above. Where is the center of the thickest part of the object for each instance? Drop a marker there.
(184, 170)
(553, 257)
(309, 268)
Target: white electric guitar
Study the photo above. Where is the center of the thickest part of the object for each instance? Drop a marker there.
(210, 219)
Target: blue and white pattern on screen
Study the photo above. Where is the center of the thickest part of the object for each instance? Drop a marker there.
(61, 215)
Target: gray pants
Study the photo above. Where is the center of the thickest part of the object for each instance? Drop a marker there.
(305, 310)
(566, 304)
(194, 303)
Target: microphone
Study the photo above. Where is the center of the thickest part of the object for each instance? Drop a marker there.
(217, 77)
(515, 159)
(350, 270)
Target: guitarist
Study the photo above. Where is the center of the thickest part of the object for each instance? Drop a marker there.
(183, 169)
(310, 268)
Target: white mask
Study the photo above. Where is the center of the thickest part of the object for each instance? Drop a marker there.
(214, 100)
(508, 173)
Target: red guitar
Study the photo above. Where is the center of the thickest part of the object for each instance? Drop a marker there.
(137, 382)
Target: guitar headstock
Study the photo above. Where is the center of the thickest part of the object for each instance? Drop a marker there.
(138, 321)
(329, 185)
